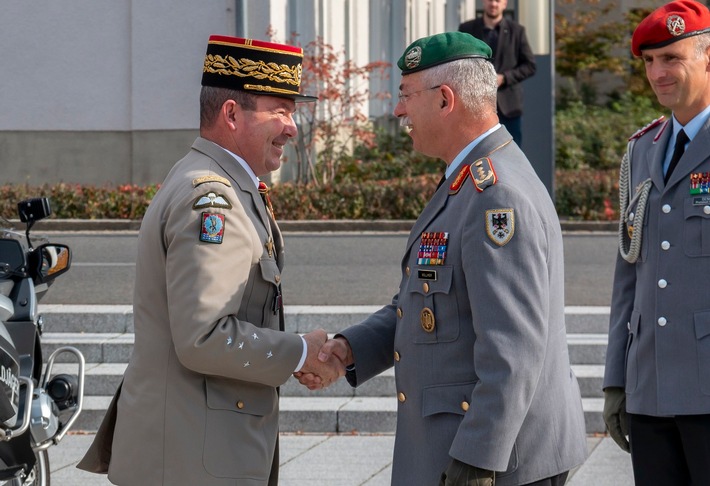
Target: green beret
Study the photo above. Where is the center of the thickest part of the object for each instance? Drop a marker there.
(440, 48)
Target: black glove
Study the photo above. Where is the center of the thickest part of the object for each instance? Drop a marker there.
(461, 474)
(615, 416)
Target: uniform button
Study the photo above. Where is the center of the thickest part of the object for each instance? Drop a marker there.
(401, 397)
(631, 216)
(407, 271)
(662, 283)
(396, 356)
(426, 287)
(666, 208)
(240, 404)
(399, 312)
(628, 326)
(665, 245)
(464, 406)
(277, 278)
(706, 209)
(662, 321)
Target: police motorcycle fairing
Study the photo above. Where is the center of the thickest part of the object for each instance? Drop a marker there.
(37, 407)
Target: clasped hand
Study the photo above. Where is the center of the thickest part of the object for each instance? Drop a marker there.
(325, 361)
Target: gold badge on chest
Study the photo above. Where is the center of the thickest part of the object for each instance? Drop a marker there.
(427, 319)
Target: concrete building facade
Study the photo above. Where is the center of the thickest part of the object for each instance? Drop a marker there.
(106, 91)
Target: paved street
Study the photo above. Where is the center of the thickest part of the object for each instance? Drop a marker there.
(347, 460)
(321, 268)
(329, 269)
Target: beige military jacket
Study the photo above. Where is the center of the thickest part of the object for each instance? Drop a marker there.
(198, 404)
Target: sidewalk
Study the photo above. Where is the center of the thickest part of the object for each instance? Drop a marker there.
(346, 460)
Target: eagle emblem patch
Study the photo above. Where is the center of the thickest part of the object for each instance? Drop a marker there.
(500, 225)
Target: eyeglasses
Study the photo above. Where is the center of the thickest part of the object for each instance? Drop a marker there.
(404, 97)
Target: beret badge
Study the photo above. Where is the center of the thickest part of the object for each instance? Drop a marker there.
(413, 57)
(675, 25)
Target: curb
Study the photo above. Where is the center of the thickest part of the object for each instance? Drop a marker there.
(311, 226)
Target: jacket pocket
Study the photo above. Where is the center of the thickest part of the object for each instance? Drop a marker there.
(456, 399)
(429, 293)
(702, 334)
(632, 352)
(241, 425)
(696, 229)
(447, 398)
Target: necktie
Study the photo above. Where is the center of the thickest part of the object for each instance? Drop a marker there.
(264, 192)
(270, 247)
(680, 141)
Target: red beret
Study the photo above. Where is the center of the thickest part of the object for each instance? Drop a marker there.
(672, 22)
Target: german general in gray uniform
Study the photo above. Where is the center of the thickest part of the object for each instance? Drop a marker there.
(658, 358)
(476, 333)
(198, 404)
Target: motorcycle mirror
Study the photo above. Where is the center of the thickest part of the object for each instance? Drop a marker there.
(50, 260)
(12, 256)
(32, 210)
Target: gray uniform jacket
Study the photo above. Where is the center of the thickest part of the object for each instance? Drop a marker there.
(199, 404)
(659, 331)
(479, 343)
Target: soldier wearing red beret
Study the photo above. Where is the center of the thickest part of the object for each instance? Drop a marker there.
(657, 377)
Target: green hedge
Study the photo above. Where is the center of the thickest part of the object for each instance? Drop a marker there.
(595, 137)
(73, 201)
(388, 180)
(580, 194)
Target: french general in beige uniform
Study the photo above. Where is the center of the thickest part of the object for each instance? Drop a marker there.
(199, 404)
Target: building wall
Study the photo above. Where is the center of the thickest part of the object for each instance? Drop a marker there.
(106, 91)
(101, 91)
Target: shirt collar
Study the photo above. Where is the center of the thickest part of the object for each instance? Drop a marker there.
(693, 126)
(245, 166)
(467, 149)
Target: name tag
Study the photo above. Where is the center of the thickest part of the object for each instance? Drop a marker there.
(701, 201)
(426, 274)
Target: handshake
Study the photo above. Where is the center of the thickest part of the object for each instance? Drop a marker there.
(326, 360)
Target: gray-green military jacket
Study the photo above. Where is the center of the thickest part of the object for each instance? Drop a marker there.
(659, 331)
(478, 341)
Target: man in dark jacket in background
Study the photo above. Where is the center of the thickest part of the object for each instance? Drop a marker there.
(512, 58)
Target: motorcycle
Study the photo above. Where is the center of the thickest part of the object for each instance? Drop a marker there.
(37, 407)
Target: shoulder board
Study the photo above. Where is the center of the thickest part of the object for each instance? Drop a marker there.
(648, 127)
(211, 178)
(483, 174)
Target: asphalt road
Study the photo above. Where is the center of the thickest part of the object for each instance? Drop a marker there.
(321, 268)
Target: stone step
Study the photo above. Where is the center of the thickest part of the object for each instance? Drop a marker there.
(107, 347)
(103, 379)
(332, 414)
(299, 318)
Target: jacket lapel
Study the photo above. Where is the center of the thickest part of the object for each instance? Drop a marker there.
(441, 196)
(695, 154)
(654, 157)
(235, 171)
(503, 40)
